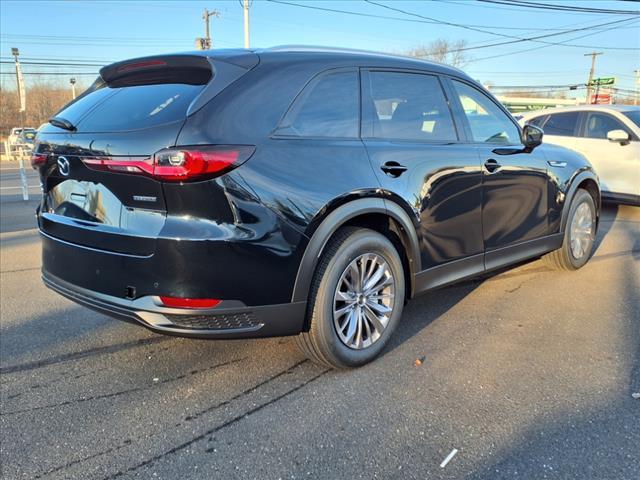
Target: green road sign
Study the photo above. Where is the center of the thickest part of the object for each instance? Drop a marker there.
(603, 81)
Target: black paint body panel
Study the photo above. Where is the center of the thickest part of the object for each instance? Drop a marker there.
(244, 235)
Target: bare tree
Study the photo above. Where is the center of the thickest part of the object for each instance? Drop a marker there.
(443, 51)
(44, 98)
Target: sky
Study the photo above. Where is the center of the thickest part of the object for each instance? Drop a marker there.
(103, 31)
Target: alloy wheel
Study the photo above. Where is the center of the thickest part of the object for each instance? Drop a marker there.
(363, 301)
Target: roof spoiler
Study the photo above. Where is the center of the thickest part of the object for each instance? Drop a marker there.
(188, 69)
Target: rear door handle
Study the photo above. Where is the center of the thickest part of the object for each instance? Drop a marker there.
(393, 169)
(491, 165)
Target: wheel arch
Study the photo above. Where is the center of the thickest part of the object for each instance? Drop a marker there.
(586, 180)
(384, 216)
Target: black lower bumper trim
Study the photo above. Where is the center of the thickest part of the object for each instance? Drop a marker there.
(245, 322)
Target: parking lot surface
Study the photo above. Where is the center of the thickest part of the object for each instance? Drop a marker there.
(528, 373)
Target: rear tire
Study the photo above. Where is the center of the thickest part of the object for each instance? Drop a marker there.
(356, 299)
(579, 235)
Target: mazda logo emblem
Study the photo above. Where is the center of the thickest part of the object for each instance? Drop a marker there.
(63, 166)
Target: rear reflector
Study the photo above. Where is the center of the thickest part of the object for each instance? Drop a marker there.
(176, 302)
(38, 159)
(179, 164)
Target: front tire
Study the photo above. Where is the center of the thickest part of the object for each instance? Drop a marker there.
(579, 235)
(356, 299)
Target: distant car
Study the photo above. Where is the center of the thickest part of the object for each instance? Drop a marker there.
(17, 134)
(27, 137)
(21, 140)
(608, 135)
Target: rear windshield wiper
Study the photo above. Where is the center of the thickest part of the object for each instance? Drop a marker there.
(62, 123)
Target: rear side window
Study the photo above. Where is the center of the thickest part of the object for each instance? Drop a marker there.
(599, 124)
(109, 109)
(327, 107)
(561, 124)
(408, 106)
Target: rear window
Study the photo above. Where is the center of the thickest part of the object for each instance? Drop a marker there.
(108, 109)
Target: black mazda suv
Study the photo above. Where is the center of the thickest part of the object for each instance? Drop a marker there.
(295, 191)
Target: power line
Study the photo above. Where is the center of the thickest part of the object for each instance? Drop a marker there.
(52, 73)
(516, 39)
(399, 19)
(564, 8)
(539, 47)
(58, 64)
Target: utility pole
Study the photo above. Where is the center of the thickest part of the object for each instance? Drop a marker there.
(245, 7)
(20, 84)
(72, 81)
(635, 99)
(206, 43)
(593, 56)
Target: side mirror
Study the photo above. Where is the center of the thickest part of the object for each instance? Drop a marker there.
(531, 136)
(618, 136)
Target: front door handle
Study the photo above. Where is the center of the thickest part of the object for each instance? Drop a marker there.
(557, 163)
(491, 165)
(393, 169)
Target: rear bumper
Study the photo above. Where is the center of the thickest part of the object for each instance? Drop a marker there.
(230, 319)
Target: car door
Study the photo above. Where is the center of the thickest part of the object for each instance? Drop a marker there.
(617, 164)
(414, 148)
(515, 179)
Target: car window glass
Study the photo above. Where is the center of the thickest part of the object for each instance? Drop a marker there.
(537, 121)
(634, 116)
(487, 121)
(562, 124)
(599, 124)
(408, 106)
(327, 107)
(134, 107)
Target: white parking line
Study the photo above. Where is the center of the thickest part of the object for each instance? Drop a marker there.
(449, 457)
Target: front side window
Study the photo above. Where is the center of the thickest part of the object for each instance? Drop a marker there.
(327, 107)
(599, 124)
(408, 106)
(634, 116)
(488, 123)
(561, 124)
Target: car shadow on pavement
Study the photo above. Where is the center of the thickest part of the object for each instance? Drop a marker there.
(434, 304)
(598, 442)
(608, 216)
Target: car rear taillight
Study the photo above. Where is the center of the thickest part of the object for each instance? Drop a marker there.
(177, 302)
(179, 164)
(38, 159)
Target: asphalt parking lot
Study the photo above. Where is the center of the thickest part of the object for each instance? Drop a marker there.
(528, 373)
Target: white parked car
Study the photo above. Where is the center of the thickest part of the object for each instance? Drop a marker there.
(608, 135)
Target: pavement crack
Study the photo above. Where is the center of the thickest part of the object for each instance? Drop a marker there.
(122, 392)
(17, 270)
(84, 459)
(245, 392)
(226, 424)
(67, 357)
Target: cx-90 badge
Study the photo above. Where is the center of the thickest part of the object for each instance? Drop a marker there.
(63, 166)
